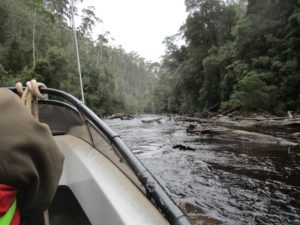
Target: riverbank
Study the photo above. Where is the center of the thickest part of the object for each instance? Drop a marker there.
(284, 131)
(259, 129)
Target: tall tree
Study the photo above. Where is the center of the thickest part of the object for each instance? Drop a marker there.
(231, 45)
(88, 21)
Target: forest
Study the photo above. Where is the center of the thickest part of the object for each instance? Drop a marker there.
(238, 54)
(37, 41)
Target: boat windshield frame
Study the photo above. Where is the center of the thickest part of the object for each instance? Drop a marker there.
(154, 191)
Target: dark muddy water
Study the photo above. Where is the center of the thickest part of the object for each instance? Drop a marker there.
(221, 182)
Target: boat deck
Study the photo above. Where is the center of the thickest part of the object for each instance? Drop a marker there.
(66, 210)
(106, 195)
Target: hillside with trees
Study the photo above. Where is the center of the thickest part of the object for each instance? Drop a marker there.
(37, 41)
(238, 54)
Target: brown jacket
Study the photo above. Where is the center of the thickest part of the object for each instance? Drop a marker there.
(29, 157)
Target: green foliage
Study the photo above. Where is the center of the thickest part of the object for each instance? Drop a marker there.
(15, 56)
(294, 19)
(289, 91)
(209, 93)
(113, 79)
(89, 20)
(252, 94)
(99, 85)
(237, 54)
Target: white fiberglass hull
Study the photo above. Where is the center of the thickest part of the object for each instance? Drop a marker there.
(106, 195)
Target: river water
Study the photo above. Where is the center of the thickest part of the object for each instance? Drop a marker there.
(221, 181)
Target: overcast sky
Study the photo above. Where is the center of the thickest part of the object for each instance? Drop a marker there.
(139, 25)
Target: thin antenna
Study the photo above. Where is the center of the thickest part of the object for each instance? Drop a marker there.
(77, 52)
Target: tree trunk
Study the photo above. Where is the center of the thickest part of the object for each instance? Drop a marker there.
(33, 38)
(290, 115)
(240, 135)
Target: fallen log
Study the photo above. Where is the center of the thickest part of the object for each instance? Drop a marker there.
(121, 116)
(207, 112)
(245, 123)
(127, 117)
(241, 135)
(276, 123)
(264, 118)
(256, 122)
(226, 112)
(152, 121)
(290, 115)
(192, 119)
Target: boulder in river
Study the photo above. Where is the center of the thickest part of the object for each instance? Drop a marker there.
(184, 147)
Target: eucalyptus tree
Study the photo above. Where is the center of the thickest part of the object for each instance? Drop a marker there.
(208, 26)
(35, 42)
(38, 9)
(237, 53)
(88, 21)
(102, 45)
(60, 8)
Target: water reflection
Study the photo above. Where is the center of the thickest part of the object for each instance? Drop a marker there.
(222, 182)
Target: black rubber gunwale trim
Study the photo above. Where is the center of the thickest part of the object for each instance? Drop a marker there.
(154, 191)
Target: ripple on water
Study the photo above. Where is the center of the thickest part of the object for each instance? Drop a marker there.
(222, 181)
